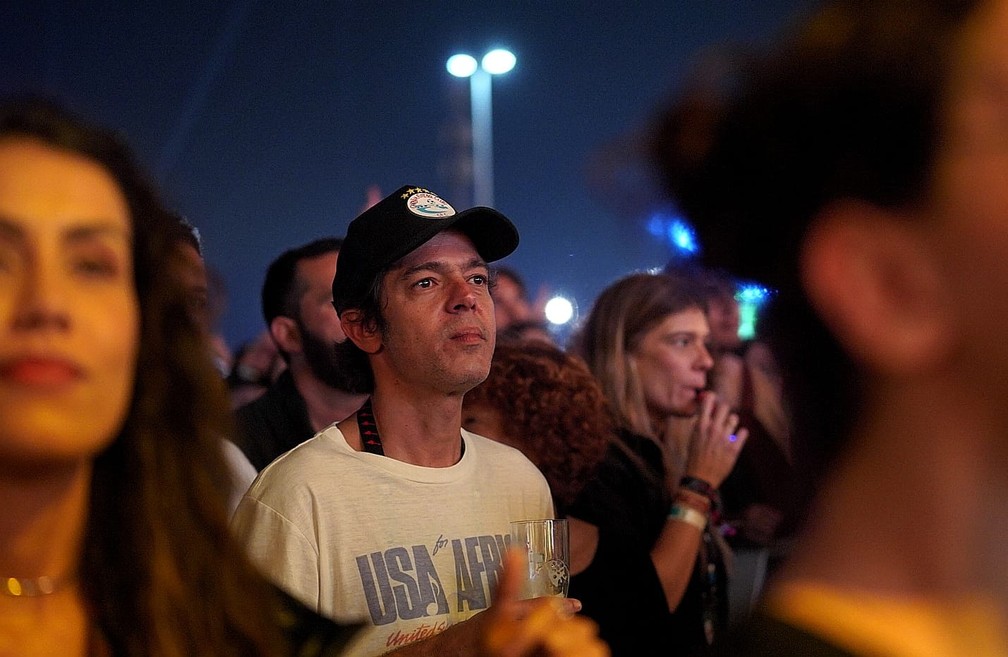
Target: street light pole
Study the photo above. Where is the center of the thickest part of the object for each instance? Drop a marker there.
(481, 110)
(495, 62)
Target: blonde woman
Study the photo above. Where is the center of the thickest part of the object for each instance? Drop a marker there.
(645, 342)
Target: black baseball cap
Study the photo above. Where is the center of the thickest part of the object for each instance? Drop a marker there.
(402, 222)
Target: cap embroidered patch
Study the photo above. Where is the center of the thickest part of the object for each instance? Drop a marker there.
(427, 204)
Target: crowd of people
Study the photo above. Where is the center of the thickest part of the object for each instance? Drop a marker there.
(344, 484)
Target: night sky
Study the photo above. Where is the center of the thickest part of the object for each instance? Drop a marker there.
(266, 122)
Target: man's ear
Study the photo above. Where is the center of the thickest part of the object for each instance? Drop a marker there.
(871, 276)
(286, 334)
(365, 335)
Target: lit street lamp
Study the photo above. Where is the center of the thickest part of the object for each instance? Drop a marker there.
(494, 62)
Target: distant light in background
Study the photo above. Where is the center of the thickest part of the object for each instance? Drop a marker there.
(753, 293)
(681, 236)
(751, 297)
(498, 61)
(675, 232)
(461, 66)
(559, 310)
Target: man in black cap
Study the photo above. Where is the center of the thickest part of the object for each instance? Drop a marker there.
(396, 515)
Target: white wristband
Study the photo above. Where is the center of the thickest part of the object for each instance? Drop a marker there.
(688, 515)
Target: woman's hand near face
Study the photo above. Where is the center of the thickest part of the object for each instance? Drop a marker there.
(716, 441)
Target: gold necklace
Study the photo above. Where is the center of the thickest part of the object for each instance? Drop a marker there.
(32, 587)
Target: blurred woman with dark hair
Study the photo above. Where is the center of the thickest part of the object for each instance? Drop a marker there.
(114, 532)
(868, 168)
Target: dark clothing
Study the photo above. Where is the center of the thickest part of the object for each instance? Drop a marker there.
(763, 473)
(763, 636)
(274, 423)
(308, 633)
(628, 501)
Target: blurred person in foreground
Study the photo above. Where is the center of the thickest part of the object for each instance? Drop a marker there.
(396, 514)
(314, 390)
(114, 537)
(868, 162)
(645, 341)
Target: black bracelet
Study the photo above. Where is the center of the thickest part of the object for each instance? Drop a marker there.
(697, 485)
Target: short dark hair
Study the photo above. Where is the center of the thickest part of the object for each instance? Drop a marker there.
(355, 361)
(280, 295)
